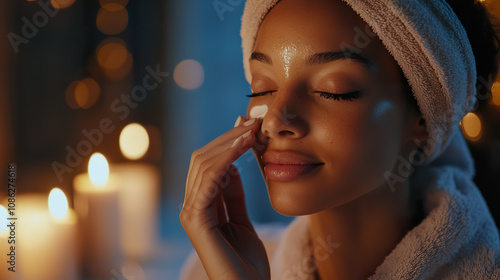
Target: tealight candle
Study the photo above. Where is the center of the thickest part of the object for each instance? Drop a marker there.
(97, 205)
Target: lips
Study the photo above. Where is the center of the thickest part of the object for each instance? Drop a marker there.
(288, 166)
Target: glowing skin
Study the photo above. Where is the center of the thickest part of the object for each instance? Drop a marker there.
(258, 111)
(357, 141)
(286, 55)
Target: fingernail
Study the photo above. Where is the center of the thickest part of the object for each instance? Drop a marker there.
(249, 122)
(246, 134)
(237, 141)
(238, 121)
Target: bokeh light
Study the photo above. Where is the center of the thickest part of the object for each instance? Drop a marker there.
(189, 74)
(61, 4)
(111, 53)
(471, 127)
(495, 94)
(83, 94)
(134, 141)
(122, 72)
(114, 59)
(112, 19)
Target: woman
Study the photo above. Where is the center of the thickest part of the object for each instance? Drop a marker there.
(354, 123)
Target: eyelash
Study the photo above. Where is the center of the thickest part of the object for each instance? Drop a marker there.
(344, 96)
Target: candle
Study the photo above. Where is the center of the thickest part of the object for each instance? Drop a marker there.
(65, 251)
(46, 242)
(139, 186)
(96, 202)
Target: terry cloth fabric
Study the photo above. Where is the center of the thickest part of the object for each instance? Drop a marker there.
(430, 45)
(458, 238)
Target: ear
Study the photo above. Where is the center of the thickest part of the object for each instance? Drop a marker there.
(417, 130)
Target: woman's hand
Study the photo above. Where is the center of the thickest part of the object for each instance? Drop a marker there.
(228, 246)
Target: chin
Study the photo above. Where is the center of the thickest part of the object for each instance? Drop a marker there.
(294, 200)
(288, 203)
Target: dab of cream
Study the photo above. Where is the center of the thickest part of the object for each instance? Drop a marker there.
(258, 111)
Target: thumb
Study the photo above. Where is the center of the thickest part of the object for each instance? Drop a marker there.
(234, 198)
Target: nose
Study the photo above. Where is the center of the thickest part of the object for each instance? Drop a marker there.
(284, 118)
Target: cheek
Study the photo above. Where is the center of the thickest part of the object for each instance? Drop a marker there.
(367, 143)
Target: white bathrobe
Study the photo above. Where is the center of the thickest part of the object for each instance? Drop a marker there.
(457, 239)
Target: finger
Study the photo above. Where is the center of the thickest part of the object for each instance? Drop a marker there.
(234, 199)
(221, 140)
(244, 125)
(210, 172)
(197, 160)
(205, 159)
(240, 120)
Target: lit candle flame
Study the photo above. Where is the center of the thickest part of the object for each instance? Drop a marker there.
(3, 219)
(98, 169)
(134, 141)
(58, 204)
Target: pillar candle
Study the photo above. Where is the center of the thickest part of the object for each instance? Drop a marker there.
(46, 247)
(97, 206)
(139, 196)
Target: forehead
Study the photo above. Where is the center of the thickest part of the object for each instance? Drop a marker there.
(315, 26)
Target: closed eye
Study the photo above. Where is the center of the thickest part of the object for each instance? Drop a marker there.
(344, 96)
(260, 93)
(335, 96)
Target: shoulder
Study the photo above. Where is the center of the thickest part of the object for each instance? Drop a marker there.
(270, 234)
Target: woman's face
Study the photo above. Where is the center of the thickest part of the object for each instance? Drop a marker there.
(338, 148)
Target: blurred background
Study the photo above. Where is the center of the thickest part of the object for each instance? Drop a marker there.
(143, 83)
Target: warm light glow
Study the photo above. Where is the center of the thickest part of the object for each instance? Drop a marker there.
(114, 59)
(471, 127)
(83, 94)
(70, 95)
(112, 55)
(495, 94)
(94, 91)
(58, 203)
(134, 141)
(112, 19)
(98, 169)
(61, 4)
(189, 74)
(3, 219)
(120, 73)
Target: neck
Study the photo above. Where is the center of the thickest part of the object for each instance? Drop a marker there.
(362, 232)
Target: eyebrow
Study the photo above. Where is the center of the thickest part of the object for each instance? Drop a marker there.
(321, 58)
